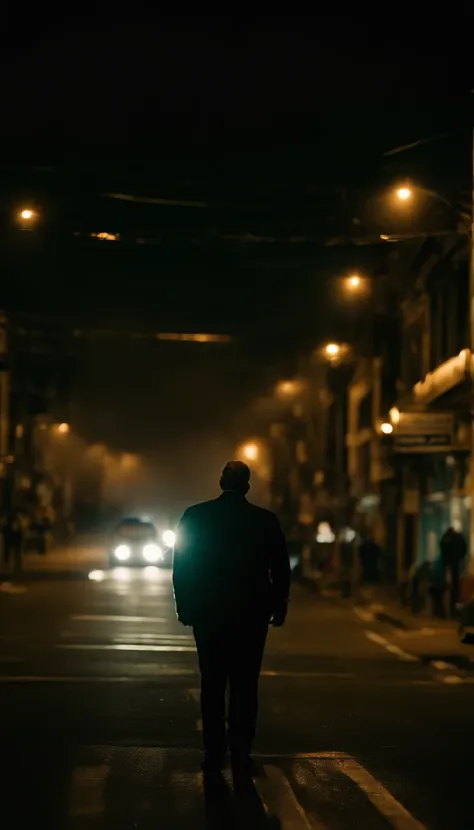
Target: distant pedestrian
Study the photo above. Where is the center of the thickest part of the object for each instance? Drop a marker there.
(453, 551)
(13, 541)
(231, 579)
(370, 554)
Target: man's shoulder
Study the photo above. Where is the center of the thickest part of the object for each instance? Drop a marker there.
(263, 513)
(199, 509)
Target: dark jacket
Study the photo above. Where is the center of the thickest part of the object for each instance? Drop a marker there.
(453, 548)
(230, 562)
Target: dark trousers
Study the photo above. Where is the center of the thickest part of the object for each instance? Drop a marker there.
(453, 571)
(230, 654)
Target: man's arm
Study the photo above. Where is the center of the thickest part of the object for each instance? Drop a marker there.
(280, 571)
(183, 570)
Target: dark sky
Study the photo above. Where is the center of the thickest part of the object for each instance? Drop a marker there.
(277, 122)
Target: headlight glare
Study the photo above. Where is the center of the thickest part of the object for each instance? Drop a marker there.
(152, 553)
(169, 538)
(122, 553)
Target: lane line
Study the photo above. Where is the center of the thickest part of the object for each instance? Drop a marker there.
(403, 655)
(123, 647)
(440, 665)
(364, 615)
(321, 756)
(452, 679)
(195, 696)
(376, 638)
(280, 801)
(136, 637)
(87, 793)
(115, 618)
(384, 802)
(393, 649)
(44, 678)
(308, 674)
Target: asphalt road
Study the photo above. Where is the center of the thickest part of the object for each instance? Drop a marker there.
(100, 723)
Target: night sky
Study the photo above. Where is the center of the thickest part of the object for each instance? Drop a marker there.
(278, 124)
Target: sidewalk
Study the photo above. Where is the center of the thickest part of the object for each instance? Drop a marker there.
(75, 559)
(435, 642)
(383, 604)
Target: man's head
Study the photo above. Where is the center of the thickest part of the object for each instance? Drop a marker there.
(235, 476)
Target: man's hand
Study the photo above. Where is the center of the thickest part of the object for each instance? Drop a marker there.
(279, 616)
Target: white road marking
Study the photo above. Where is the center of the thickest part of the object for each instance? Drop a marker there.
(320, 756)
(422, 632)
(195, 695)
(87, 793)
(452, 679)
(123, 647)
(303, 674)
(367, 616)
(45, 678)
(393, 649)
(440, 665)
(383, 801)
(376, 638)
(116, 618)
(403, 655)
(280, 801)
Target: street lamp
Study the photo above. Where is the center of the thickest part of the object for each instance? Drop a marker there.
(63, 428)
(404, 194)
(289, 388)
(354, 282)
(26, 217)
(394, 415)
(386, 428)
(250, 451)
(332, 350)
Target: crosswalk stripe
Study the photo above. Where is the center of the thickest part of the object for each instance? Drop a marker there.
(280, 802)
(383, 801)
(157, 673)
(119, 779)
(115, 618)
(87, 791)
(124, 647)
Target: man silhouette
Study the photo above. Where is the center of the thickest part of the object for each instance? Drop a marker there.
(231, 576)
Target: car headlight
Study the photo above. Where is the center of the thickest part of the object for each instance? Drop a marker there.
(122, 553)
(152, 553)
(169, 538)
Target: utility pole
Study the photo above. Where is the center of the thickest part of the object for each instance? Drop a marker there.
(471, 338)
(4, 405)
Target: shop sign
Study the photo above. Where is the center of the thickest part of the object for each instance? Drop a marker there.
(424, 432)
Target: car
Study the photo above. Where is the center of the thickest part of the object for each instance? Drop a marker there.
(138, 544)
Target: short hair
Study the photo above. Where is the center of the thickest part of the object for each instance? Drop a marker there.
(235, 476)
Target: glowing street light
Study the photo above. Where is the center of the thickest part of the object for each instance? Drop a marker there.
(27, 214)
(386, 428)
(332, 350)
(64, 428)
(394, 415)
(289, 388)
(169, 538)
(404, 194)
(250, 451)
(354, 282)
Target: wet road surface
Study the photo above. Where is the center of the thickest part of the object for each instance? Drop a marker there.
(100, 723)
